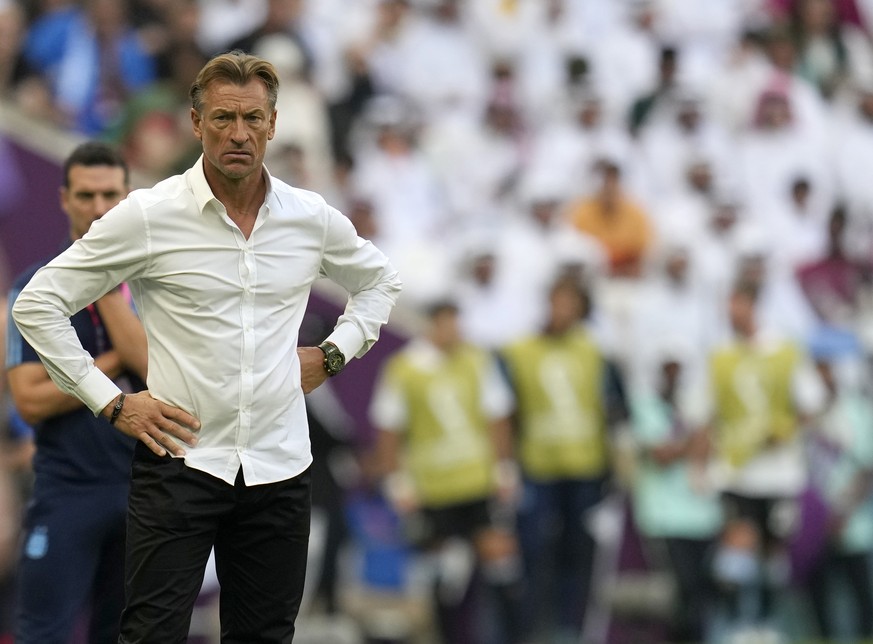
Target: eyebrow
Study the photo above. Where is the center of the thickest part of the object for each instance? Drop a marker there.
(220, 111)
(91, 193)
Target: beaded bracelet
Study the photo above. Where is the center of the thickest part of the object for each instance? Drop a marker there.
(117, 409)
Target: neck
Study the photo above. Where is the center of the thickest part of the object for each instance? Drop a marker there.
(668, 394)
(241, 197)
(242, 194)
(609, 202)
(444, 347)
(557, 329)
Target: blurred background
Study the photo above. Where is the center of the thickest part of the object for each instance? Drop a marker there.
(657, 149)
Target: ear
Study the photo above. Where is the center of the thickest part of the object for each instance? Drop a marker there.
(197, 123)
(272, 131)
(63, 196)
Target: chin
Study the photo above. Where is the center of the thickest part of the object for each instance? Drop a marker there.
(237, 171)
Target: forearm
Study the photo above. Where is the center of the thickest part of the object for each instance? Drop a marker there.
(501, 437)
(125, 331)
(45, 401)
(387, 453)
(396, 483)
(668, 453)
(40, 400)
(42, 316)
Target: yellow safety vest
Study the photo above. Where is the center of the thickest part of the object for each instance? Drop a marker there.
(559, 389)
(753, 398)
(448, 446)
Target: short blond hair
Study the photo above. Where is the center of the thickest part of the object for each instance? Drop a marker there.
(235, 67)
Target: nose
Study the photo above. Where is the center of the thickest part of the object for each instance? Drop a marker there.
(239, 133)
(101, 205)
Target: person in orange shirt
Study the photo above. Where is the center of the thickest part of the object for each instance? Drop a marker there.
(616, 221)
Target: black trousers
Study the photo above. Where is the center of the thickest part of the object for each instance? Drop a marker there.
(72, 561)
(690, 562)
(854, 571)
(260, 535)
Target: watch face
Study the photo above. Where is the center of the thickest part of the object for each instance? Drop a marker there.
(335, 362)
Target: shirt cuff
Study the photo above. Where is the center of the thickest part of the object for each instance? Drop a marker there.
(348, 339)
(97, 390)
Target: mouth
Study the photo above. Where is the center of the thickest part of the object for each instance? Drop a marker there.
(237, 155)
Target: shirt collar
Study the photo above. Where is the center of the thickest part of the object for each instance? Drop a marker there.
(203, 193)
(272, 199)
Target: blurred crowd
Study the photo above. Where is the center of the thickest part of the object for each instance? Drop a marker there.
(699, 171)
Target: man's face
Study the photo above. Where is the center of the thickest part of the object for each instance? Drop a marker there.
(676, 266)
(741, 309)
(445, 329)
(567, 308)
(234, 127)
(91, 193)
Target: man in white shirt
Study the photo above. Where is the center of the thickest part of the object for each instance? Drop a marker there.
(759, 396)
(220, 261)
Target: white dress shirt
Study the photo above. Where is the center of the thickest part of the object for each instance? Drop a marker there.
(221, 312)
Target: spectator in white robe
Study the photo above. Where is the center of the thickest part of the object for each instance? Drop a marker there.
(551, 63)
(304, 130)
(624, 61)
(530, 250)
(668, 146)
(763, 60)
(715, 257)
(809, 109)
(831, 55)
(569, 149)
(445, 70)
(391, 173)
(778, 147)
(689, 206)
(223, 21)
(490, 314)
(800, 226)
(504, 29)
(733, 88)
(573, 44)
(428, 268)
(706, 31)
(383, 43)
(865, 13)
(671, 305)
(478, 163)
(853, 139)
(338, 33)
(782, 305)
